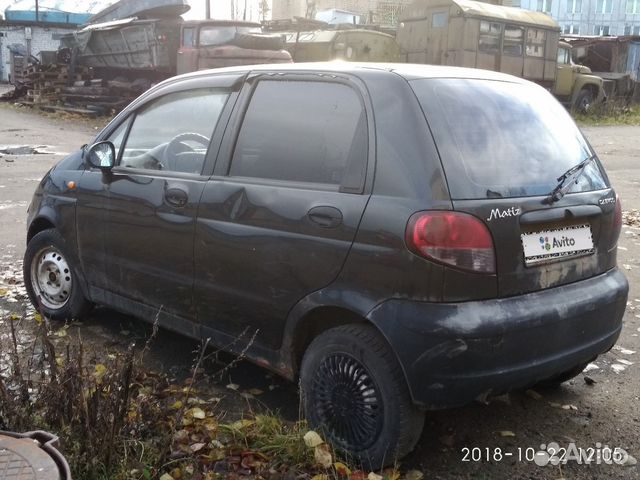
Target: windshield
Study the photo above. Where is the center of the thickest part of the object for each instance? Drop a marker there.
(223, 34)
(501, 139)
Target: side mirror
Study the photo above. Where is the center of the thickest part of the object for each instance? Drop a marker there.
(102, 155)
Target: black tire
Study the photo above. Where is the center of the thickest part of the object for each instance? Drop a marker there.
(354, 392)
(584, 101)
(557, 380)
(52, 277)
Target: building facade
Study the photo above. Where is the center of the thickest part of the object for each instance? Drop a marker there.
(382, 12)
(591, 17)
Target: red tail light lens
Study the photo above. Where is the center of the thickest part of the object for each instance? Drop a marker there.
(452, 238)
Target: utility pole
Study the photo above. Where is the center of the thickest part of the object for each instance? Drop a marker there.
(208, 9)
(37, 12)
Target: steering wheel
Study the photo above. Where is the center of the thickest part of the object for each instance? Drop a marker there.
(177, 146)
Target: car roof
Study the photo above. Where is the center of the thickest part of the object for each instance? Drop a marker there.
(407, 70)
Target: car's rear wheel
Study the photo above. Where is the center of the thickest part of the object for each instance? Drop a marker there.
(52, 279)
(354, 391)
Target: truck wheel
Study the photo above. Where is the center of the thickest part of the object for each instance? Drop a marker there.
(354, 392)
(584, 100)
(52, 279)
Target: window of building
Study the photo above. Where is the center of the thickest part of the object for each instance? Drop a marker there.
(574, 6)
(439, 20)
(636, 30)
(489, 39)
(601, 30)
(604, 6)
(536, 38)
(627, 30)
(544, 6)
(318, 136)
(633, 6)
(513, 40)
(571, 29)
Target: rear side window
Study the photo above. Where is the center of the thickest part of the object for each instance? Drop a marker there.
(502, 139)
(303, 131)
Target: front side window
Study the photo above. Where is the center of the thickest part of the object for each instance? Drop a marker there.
(189, 37)
(303, 131)
(536, 38)
(173, 132)
(489, 39)
(563, 56)
(221, 35)
(513, 40)
(503, 139)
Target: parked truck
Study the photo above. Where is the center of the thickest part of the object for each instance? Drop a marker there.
(520, 42)
(155, 49)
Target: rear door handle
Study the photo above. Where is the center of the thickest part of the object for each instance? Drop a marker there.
(325, 217)
(176, 197)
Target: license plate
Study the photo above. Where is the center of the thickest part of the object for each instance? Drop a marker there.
(557, 244)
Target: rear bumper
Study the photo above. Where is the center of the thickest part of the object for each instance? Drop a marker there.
(453, 353)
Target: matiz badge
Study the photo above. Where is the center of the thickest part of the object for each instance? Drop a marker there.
(509, 212)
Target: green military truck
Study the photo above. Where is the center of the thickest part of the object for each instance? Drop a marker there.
(520, 42)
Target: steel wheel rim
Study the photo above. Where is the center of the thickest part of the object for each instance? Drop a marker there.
(347, 402)
(51, 278)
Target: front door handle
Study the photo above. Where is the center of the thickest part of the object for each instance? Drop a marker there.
(176, 197)
(325, 217)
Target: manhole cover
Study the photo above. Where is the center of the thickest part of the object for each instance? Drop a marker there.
(25, 458)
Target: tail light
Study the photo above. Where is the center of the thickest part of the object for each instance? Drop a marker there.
(456, 239)
(617, 220)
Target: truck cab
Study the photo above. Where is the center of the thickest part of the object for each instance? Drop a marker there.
(219, 43)
(574, 84)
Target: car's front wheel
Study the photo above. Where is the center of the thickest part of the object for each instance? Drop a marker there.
(52, 279)
(354, 391)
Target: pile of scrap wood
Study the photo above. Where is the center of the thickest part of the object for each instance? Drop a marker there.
(60, 87)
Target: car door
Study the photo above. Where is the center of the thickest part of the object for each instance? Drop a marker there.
(277, 219)
(149, 199)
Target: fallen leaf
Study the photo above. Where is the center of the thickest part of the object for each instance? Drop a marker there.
(624, 362)
(177, 405)
(312, 439)
(414, 475)
(569, 407)
(233, 386)
(196, 447)
(507, 433)
(630, 461)
(99, 372)
(320, 476)
(166, 476)
(341, 469)
(358, 475)
(323, 456)
(374, 476)
(196, 412)
(255, 391)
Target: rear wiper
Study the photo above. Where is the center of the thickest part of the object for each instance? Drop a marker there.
(567, 179)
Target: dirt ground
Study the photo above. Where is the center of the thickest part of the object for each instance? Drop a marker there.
(496, 440)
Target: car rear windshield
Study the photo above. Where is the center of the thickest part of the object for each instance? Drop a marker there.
(500, 139)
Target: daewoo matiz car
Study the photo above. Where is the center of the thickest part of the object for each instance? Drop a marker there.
(397, 237)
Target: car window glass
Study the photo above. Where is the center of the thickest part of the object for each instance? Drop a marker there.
(117, 136)
(503, 139)
(173, 132)
(303, 131)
